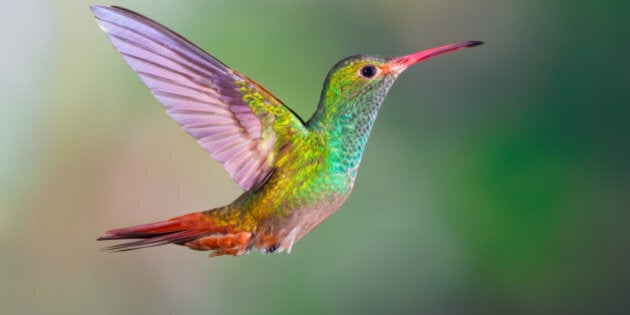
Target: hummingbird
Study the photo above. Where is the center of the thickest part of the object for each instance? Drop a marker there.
(294, 173)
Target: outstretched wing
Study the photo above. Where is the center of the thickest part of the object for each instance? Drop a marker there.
(232, 117)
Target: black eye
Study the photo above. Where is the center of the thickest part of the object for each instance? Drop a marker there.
(368, 71)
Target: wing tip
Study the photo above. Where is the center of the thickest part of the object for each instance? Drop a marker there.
(100, 10)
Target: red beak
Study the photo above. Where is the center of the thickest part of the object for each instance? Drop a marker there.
(401, 63)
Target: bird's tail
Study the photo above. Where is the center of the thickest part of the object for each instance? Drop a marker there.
(193, 230)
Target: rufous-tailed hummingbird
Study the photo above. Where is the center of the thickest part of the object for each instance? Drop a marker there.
(295, 173)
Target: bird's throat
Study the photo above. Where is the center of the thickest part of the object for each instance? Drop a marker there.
(345, 129)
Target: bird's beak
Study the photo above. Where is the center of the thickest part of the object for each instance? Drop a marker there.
(401, 63)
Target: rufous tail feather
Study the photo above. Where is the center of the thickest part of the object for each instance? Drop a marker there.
(192, 230)
(179, 230)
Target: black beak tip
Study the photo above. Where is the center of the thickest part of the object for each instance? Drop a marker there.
(474, 43)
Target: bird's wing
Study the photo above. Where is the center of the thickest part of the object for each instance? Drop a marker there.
(231, 116)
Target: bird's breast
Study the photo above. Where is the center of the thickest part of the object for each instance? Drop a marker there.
(309, 184)
(279, 233)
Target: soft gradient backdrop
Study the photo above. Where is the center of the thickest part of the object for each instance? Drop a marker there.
(496, 179)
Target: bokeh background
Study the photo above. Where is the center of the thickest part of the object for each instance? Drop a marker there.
(496, 179)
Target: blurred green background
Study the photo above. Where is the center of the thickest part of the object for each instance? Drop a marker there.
(496, 179)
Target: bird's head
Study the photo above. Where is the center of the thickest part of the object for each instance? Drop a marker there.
(358, 83)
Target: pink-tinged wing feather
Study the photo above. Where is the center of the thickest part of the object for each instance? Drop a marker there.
(236, 120)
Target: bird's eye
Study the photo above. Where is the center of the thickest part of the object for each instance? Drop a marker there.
(368, 71)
